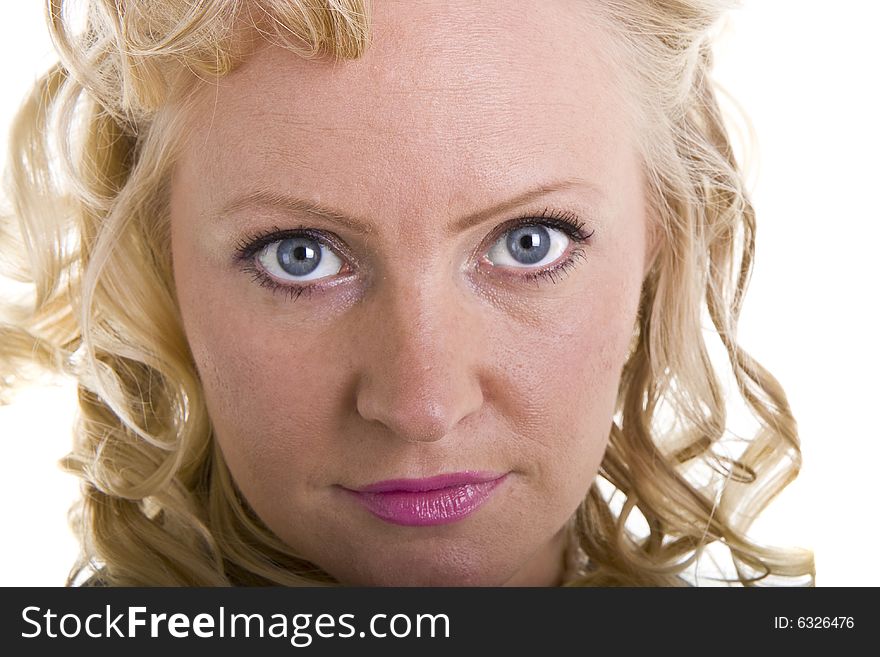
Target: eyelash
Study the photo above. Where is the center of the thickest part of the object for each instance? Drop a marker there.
(566, 222)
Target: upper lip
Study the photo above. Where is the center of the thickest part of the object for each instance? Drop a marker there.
(430, 483)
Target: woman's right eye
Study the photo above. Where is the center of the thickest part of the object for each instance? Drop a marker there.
(299, 259)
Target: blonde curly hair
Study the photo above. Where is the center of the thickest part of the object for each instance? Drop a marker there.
(91, 153)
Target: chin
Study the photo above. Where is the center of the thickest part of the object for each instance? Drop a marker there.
(413, 571)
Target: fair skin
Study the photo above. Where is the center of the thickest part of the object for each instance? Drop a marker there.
(422, 348)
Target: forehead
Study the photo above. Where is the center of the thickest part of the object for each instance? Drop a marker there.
(452, 100)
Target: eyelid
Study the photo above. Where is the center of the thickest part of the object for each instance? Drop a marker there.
(248, 247)
(563, 221)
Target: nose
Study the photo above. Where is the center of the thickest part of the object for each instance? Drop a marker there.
(420, 350)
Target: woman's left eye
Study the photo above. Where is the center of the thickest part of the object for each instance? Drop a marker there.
(528, 247)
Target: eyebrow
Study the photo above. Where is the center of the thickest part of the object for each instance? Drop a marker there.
(274, 199)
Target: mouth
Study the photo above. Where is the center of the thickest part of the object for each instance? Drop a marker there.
(436, 500)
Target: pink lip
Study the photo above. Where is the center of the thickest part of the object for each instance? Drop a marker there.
(432, 501)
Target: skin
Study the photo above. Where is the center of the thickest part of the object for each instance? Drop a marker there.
(421, 356)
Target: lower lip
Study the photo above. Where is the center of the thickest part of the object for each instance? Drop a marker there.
(428, 507)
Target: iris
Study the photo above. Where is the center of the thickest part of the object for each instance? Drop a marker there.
(299, 256)
(529, 244)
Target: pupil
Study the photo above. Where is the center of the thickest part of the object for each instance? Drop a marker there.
(300, 253)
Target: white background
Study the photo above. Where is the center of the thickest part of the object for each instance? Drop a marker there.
(806, 74)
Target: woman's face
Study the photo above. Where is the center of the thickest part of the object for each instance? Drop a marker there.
(448, 322)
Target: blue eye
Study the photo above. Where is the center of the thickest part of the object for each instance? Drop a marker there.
(299, 258)
(527, 246)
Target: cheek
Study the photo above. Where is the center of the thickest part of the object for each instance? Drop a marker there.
(578, 391)
(273, 402)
